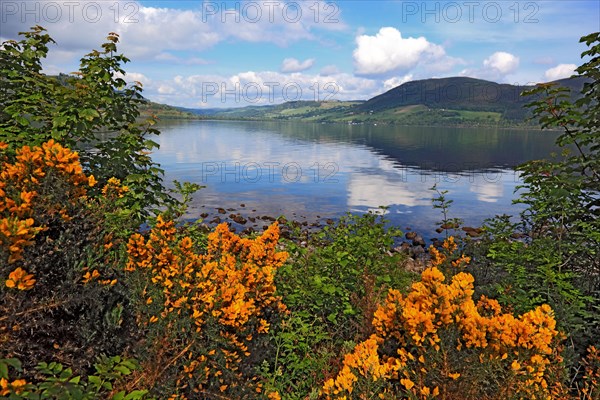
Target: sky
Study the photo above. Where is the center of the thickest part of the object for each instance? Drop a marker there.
(206, 54)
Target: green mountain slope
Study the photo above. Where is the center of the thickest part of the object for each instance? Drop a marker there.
(467, 94)
(461, 94)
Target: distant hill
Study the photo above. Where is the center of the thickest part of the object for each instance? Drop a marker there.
(163, 111)
(444, 101)
(292, 110)
(463, 94)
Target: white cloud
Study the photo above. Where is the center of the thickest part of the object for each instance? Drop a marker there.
(293, 65)
(396, 81)
(502, 62)
(166, 89)
(148, 33)
(495, 68)
(131, 77)
(560, 71)
(372, 191)
(260, 88)
(389, 53)
(487, 191)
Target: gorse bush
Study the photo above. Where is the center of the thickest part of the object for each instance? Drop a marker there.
(206, 313)
(438, 342)
(32, 177)
(61, 288)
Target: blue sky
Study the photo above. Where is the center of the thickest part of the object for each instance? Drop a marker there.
(235, 53)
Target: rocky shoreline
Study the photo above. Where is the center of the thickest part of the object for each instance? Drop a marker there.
(247, 221)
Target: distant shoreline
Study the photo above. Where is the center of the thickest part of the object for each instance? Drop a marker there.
(338, 123)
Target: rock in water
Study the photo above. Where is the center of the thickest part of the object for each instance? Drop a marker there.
(418, 241)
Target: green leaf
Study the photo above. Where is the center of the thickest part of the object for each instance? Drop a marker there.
(119, 396)
(21, 120)
(136, 394)
(332, 318)
(123, 369)
(65, 374)
(95, 380)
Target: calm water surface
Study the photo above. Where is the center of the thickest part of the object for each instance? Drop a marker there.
(306, 171)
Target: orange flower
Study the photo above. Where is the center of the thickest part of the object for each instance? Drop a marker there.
(407, 383)
(229, 288)
(4, 387)
(92, 181)
(87, 277)
(113, 188)
(20, 279)
(449, 245)
(17, 386)
(461, 261)
(413, 326)
(16, 234)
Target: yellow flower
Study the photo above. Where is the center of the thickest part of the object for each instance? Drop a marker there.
(226, 288)
(87, 277)
(92, 181)
(4, 387)
(412, 326)
(461, 261)
(274, 396)
(113, 188)
(407, 383)
(449, 244)
(263, 326)
(437, 258)
(20, 279)
(18, 385)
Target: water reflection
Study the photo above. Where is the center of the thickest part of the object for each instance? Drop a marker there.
(326, 170)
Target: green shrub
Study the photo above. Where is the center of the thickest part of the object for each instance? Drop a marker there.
(60, 383)
(342, 273)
